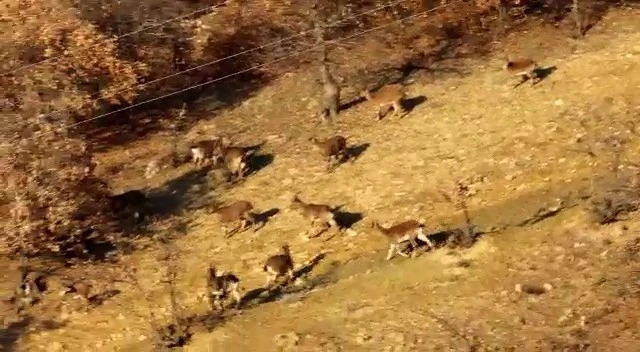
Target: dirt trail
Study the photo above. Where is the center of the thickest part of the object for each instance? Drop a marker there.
(525, 144)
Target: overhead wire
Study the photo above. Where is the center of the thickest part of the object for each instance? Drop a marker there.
(331, 42)
(140, 30)
(141, 85)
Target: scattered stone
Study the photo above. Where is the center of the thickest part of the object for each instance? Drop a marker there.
(568, 313)
(362, 337)
(287, 341)
(396, 337)
(55, 347)
(532, 288)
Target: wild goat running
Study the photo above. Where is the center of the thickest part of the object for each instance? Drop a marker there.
(220, 286)
(241, 211)
(526, 69)
(321, 213)
(334, 149)
(405, 231)
(235, 160)
(204, 151)
(29, 289)
(385, 98)
(279, 265)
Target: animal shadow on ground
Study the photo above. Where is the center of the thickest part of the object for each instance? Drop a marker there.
(347, 219)
(258, 162)
(281, 291)
(452, 238)
(356, 101)
(265, 216)
(11, 334)
(90, 248)
(101, 297)
(411, 103)
(179, 332)
(356, 151)
(541, 73)
(344, 219)
(185, 192)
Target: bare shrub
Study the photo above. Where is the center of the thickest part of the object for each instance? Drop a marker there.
(608, 205)
(78, 76)
(61, 205)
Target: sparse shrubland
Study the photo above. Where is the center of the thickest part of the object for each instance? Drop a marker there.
(60, 198)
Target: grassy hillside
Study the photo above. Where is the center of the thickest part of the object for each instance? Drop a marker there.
(522, 149)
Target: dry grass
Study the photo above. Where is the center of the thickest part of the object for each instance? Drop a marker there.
(521, 140)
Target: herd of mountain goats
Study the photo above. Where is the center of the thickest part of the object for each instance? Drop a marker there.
(243, 215)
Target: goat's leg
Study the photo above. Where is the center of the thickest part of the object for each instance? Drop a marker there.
(397, 108)
(257, 222)
(414, 246)
(235, 294)
(229, 233)
(423, 237)
(271, 278)
(313, 225)
(392, 251)
(333, 112)
(379, 113)
(244, 222)
(215, 302)
(289, 276)
(332, 163)
(399, 251)
(319, 232)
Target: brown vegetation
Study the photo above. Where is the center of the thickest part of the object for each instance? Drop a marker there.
(67, 63)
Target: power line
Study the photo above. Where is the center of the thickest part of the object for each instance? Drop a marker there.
(258, 66)
(138, 86)
(212, 7)
(332, 42)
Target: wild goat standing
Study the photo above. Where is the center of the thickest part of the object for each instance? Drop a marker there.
(240, 210)
(334, 149)
(279, 265)
(330, 102)
(405, 231)
(220, 286)
(385, 98)
(321, 213)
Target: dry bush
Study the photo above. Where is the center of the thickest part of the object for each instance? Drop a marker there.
(608, 204)
(49, 172)
(42, 30)
(61, 207)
